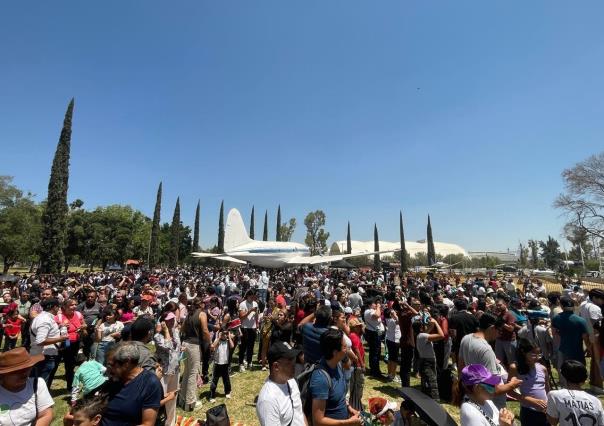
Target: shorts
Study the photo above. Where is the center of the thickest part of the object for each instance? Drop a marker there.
(393, 350)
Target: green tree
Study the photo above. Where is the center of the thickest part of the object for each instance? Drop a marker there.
(348, 240)
(579, 238)
(265, 230)
(175, 235)
(316, 237)
(278, 232)
(334, 249)
(583, 199)
(534, 247)
(77, 224)
(287, 230)
(431, 251)
(252, 224)
(20, 225)
(111, 234)
(221, 228)
(550, 251)
(403, 253)
(154, 254)
(54, 218)
(196, 229)
(523, 256)
(377, 266)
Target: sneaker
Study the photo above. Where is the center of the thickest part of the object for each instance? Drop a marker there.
(245, 364)
(241, 368)
(212, 400)
(228, 396)
(397, 379)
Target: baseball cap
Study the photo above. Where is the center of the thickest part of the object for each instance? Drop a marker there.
(280, 350)
(378, 406)
(475, 374)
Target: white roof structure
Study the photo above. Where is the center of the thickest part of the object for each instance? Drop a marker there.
(412, 247)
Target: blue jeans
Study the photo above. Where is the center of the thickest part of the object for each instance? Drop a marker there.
(373, 340)
(46, 369)
(262, 294)
(101, 351)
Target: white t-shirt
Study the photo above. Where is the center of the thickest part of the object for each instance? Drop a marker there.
(393, 330)
(108, 329)
(276, 406)
(591, 313)
(250, 319)
(43, 327)
(471, 416)
(19, 409)
(372, 323)
(575, 408)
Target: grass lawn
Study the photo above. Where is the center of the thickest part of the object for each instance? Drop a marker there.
(246, 386)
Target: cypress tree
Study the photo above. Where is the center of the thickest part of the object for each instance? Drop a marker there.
(221, 228)
(154, 242)
(431, 252)
(54, 217)
(175, 235)
(348, 241)
(278, 235)
(265, 231)
(403, 253)
(376, 247)
(252, 220)
(196, 230)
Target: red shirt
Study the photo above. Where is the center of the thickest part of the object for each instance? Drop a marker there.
(72, 324)
(12, 327)
(358, 345)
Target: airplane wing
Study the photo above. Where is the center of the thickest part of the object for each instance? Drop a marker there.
(218, 256)
(200, 254)
(317, 260)
(231, 259)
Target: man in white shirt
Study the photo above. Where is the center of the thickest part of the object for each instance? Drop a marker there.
(573, 406)
(279, 400)
(262, 284)
(373, 332)
(248, 314)
(46, 339)
(591, 312)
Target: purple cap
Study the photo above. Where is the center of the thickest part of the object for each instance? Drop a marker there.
(474, 374)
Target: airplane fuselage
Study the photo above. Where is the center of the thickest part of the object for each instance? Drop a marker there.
(269, 254)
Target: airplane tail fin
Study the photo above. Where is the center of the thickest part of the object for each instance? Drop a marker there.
(235, 233)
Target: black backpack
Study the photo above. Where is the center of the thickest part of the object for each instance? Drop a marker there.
(303, 380)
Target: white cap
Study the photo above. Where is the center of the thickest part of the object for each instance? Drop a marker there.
(347, 310)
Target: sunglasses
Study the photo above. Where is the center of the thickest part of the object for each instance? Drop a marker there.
(488, 388)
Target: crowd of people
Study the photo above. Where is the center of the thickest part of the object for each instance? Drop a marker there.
(137, 345)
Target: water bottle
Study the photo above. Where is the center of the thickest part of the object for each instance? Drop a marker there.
(63, 331)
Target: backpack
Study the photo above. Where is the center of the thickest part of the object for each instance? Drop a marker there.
(303, 381)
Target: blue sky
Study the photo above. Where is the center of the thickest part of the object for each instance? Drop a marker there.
(466, 110)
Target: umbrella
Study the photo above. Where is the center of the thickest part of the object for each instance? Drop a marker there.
(429, 410)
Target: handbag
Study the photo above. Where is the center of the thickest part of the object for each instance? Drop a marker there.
(217, 416)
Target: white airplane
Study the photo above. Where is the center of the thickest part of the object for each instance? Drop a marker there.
(240, 248)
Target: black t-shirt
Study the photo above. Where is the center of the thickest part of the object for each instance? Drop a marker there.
(127, 402)
(463, 323)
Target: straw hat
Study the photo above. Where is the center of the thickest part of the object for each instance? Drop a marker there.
(17, 359)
